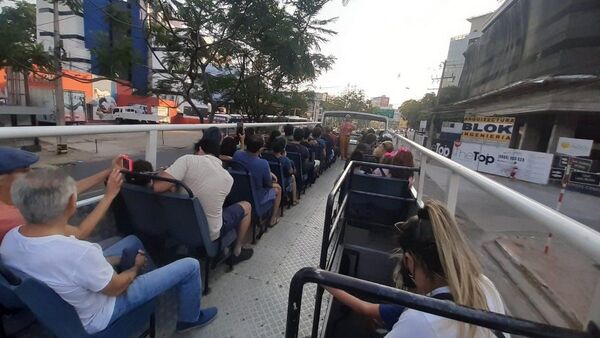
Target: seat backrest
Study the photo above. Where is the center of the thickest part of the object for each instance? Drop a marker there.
(178, 216)
(50, 309)
(8, 283)
(297, 159)
(270, 157)
(378, 200)
(243, 189)
(369, 158)
(277, 170)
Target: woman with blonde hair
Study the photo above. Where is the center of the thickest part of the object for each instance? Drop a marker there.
(434, 260)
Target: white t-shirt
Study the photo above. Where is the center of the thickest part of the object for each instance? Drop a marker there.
(205, 176)
(76, 270)
(413, 323)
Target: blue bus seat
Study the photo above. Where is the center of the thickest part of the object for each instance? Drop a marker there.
(62, 320)
(301, 176)
(243, 190)
(378, 200)
(14, 314)
(176, 217)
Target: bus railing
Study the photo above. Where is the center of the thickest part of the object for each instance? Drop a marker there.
(442, 308)
(584, 238)
(151, 130)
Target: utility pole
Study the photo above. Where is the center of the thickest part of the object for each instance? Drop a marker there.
(59, 98)
(431, 125)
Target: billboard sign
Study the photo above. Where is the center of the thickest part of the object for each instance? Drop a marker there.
(574, 146)
(523, 165)
(488, 130)
(443, 147)
(387, 112)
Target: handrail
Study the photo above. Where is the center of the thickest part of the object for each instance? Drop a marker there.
(580, 235)
(47, 131)
(442, 308)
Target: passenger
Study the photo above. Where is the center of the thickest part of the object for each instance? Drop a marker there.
(296, 147)
(435, 260)
(387, 158)
(249, 131)
(346, 130)
(403, 158)
(330, 138)
(272, 137)
(268, 191)
(289, 178)
(203, 173)
(288, 130)
(16, 162)
(140, 166)
(228, 148)
(382, 148)
(77, 270)
(370, 139)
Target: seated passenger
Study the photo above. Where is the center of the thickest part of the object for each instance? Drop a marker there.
(321, 143)
(289, 178)
(288, 131)
(78, 270)
(203, 173)
(435, 260)
(382, 148)
(140, 166)
(272, 137)
(268, 191)
(296, 147)
(387, 158)
(14, 163)
(228, 148)
(403, 158)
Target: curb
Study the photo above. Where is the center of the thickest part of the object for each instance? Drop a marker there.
(539, 283)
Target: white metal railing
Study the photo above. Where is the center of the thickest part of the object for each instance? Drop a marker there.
(151, 140)
(578, 234)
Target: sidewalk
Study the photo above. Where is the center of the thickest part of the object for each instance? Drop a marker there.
(566, 277)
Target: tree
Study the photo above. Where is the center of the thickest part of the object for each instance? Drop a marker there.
(350, 100)
(415, 111)
(449, 95)
(242, 50)
(19, 49)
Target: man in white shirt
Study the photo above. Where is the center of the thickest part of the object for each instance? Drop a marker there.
(203, 173)
(77, 270)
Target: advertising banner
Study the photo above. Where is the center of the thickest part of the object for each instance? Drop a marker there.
(519, 164)
(442, 147)
(574, 146)
(488, 130)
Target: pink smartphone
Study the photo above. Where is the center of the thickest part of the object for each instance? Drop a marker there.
(127, 163)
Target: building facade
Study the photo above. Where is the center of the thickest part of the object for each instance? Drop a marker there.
(537, 61)
(380, 101)
(458, 46)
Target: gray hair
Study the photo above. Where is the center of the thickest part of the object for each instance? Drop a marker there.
(42, 195)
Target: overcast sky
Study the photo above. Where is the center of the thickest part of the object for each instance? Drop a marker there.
(387, 46)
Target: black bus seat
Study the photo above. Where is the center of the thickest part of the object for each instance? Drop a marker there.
(176, 217)
(302, 179)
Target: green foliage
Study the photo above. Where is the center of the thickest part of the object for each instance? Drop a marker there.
(350, 100)
(18, 46)
(247, 51)
(415, 111)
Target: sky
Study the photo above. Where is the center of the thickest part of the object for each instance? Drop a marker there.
(393, 47)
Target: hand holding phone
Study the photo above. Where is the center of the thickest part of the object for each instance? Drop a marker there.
(240, 128)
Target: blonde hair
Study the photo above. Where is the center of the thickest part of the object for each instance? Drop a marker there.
(461, 268)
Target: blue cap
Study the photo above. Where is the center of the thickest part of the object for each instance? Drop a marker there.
(13, 158)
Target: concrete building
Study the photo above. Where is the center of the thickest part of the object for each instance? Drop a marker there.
(315, 106)
(458, 46)
(380, 101)
(535, 62)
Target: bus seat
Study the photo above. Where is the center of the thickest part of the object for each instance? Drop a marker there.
(61, 319)
(301, 177)
(14, 314)
(177, 217)
(243, 190)
(378, 200)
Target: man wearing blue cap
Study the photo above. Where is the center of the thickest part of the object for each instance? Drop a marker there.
(15, 162)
